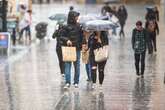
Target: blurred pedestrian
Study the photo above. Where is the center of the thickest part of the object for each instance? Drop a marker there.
(58, 34)
(25, 24)
(105, 9)
(139, 45)
(97, 40)
(114, 11)
(73, 37)
(153, 30)
(122, 16)
(14, 36)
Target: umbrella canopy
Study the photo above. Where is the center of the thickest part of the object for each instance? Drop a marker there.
(85, 18)
(99, 25)
(59, 17)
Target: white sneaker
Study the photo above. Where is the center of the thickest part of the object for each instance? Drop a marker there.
(63, 75)
(94, 86)
(67, 85)
(76, 85)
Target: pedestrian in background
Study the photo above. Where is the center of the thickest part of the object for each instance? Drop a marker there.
(153, 30)
(122, 16)
(114, 11)
(25, 24)
(105, 9)
(14, 36)
(139, 45)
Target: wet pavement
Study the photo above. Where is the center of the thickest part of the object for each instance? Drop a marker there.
(31, 81)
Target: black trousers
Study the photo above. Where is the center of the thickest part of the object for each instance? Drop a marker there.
(100, 66)
(140, 58)
(61, 63)
(122, 29)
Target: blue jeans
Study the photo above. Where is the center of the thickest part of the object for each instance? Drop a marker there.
(67, 71)
(88, 70)
(114, 30)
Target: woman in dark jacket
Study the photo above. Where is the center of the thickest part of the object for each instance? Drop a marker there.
(122, 16)
(153, 30)
(97, 40)
(57, 34)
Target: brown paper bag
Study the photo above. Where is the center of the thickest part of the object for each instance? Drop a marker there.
(69, 54)
(85, 56)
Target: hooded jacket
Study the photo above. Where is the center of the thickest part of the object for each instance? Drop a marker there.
(73, 31)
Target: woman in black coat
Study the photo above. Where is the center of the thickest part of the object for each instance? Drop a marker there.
(58, 34)
(122, 16)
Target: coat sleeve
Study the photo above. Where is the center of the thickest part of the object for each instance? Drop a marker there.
(64, 36)
(55, 34)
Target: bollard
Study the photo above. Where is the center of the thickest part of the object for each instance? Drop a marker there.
(164, 78)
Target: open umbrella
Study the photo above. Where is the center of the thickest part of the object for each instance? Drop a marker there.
(60, 17)
(85, 18)
(99, 25)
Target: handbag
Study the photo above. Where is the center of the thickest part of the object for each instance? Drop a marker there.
(69, 54)
(85, 56)
(101, 54)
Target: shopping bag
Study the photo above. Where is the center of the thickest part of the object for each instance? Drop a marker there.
(69, 54)
(85, 56)
(101, 54)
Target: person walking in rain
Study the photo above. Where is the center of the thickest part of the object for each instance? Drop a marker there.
(97, 40)
(105, 9)
(73, 37)
(153, 30)
(139, 45)
(122, 16)
(58, 34)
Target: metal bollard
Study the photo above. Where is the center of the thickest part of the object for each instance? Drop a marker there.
(164, 78)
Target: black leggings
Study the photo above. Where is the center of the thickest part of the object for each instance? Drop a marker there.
(122, 29)
(100, 66)
(61, 63)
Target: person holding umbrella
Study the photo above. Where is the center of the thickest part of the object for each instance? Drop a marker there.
(97, 40)
(57, 34)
